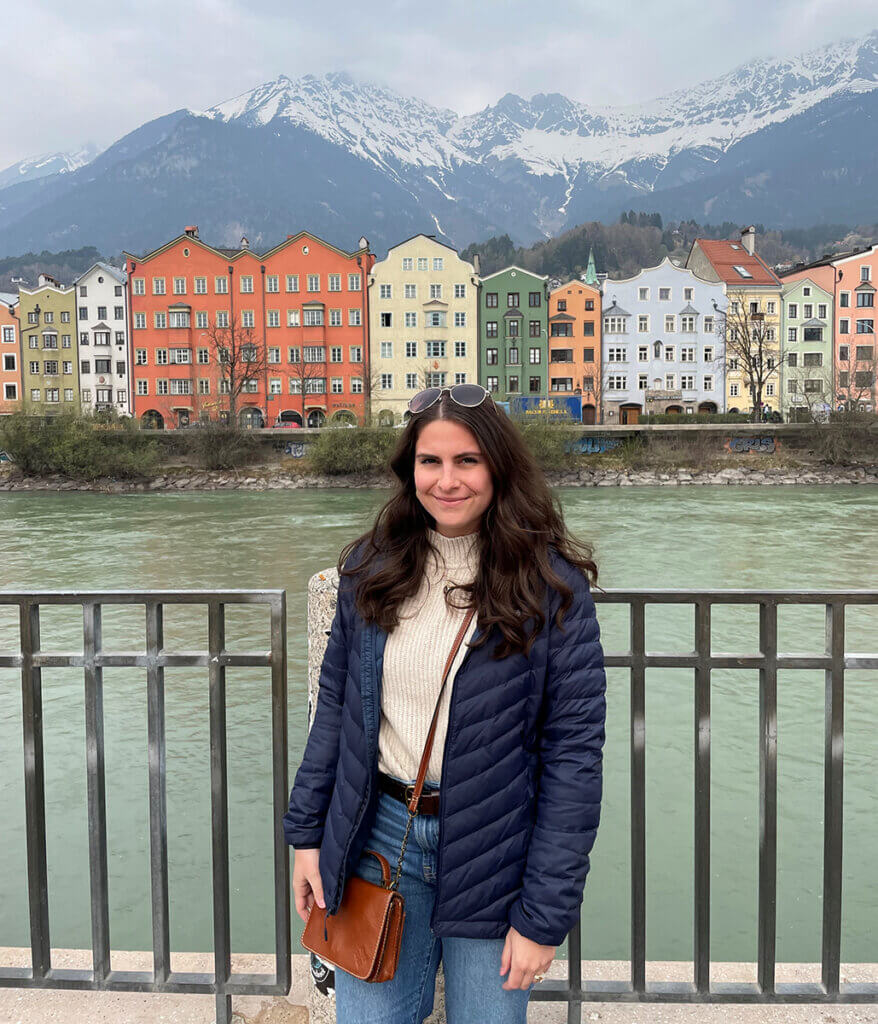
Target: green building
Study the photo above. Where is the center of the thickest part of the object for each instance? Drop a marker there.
(513, 333)
(49, 370)
(807, 348)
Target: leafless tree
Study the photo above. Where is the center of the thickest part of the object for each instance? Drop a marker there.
(856, 374)
(751, 348)
(241, 361)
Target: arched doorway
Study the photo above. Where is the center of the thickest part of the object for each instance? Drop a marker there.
(152, 420)
(288, 418)
(709, 407)
(385, 418)
(678, 409)
(251, 418)
(182, 418)
(734, 409)
(589, 414)
(629, 414)
(344, 418)
(316, 418)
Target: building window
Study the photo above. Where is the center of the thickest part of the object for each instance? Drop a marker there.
(670, 381)
(203, 356)
(313, 317)
(410, 291)
(535, 329)
(354, 318)
(512, 300)
(221, 285)
(201, 321)
(490, 328)
(435, 291)
(161, 356)
(460, 291)
(664, 294)
(386, 381)
(385, 319)
(865, 327)
(865, 273)
(615, 325)
(335, 282)
(534, 300)
(200, 287)
(139, 286)
(588, 329)
(687, 382)
(435, 349)
(292, 318)
(435, 319)
(687, 354)
(617, 354)
(459, 349)
(492, 383)
(408, 263)
(708, 382)
(160, 320)
(411, 319)
(422, 263)
(246, 284)
(438, 263)
(642, 381)
(354, 283)
(179, 318)
(844, 326)
(385, 291)
(769, 390)
(411, 350)
(292, 282)
(313, 282)
(687, 324)
(617, 382)
(386, 350)
(670, 354)
(179, 287)
(82, 314)
(247, 318)
(272, 283)
(158, 286)
(222, 318)
(536, 357)
(643, 323)
(491, 356)
(670, 323)
(460, 319)
(491, 300)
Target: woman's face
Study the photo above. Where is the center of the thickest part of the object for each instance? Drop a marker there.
(452, 479)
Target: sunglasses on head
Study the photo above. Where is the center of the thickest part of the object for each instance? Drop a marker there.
(468, 395)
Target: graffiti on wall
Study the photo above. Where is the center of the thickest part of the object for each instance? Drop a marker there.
(765, 445)
(593, 445)
(294, 448)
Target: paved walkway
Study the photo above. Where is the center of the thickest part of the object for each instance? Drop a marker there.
(21, 1006)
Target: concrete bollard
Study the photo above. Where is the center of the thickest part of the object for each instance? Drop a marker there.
(322, 593)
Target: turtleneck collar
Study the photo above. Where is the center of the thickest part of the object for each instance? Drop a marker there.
(456, 552)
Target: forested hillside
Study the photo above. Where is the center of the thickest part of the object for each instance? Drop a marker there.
(641, 240)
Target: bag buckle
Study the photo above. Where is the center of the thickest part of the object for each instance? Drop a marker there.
(409, 793)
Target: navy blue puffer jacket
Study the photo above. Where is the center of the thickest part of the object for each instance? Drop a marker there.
(520, 790)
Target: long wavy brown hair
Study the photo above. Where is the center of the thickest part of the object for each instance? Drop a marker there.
(517, 529)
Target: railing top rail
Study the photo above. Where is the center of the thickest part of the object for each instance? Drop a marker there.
(232, 596)
(719, 596)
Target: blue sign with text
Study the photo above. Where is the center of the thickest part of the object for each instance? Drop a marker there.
(564, 408)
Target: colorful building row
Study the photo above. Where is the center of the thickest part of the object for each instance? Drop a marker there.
(308, 334)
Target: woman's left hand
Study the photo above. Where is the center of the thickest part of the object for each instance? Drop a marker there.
(523, 958)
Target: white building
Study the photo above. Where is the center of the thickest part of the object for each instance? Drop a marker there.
(102, 332)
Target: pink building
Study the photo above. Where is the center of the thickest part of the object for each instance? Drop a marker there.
(850, 279)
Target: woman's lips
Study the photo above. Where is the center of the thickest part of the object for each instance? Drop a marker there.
(451, 502)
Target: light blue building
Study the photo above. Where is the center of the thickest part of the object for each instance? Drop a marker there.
(661, 345)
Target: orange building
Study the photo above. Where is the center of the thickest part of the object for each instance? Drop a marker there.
(300, 308)
(575, 345)
(10, 355)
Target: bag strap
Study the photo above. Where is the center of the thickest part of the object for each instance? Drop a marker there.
(418, 786)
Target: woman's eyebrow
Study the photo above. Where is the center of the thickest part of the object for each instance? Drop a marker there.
(459, 455)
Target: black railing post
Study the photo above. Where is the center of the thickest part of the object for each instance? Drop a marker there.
(158, 805)
(833, 796)
(767, 928)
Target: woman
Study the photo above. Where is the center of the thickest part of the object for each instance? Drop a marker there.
(496, 863)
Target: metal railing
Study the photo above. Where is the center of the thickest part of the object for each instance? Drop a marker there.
(703, 660)
(32, 659)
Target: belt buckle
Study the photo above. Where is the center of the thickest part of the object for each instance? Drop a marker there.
(409, 793)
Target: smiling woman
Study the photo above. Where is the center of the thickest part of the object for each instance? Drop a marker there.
(470, 548)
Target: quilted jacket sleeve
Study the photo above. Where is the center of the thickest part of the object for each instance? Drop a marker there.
(312, 789)
(569, 788)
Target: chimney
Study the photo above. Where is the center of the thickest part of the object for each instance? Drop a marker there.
(244, 243)
(748, 239)
(45, 279)
(191, 230)
(477, 264)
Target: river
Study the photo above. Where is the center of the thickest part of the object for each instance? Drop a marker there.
(706, 537)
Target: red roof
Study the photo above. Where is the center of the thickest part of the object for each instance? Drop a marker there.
(725, 255)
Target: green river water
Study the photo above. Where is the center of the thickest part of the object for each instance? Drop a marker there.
(711, 537)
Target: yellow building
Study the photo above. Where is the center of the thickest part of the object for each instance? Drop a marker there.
(754, 311)
(49, 371)
(423, 324)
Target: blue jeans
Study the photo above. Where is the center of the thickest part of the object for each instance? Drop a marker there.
(473, 983)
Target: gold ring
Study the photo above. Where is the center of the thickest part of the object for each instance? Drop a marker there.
(538, 977)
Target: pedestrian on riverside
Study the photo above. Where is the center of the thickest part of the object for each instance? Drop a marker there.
(494, 871)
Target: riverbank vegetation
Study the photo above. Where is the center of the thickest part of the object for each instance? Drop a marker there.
(79, 447)
(85, 448)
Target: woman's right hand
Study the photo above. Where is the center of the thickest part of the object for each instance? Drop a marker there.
(307, 886)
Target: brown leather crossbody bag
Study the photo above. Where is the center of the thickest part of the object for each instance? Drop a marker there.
(364, 935)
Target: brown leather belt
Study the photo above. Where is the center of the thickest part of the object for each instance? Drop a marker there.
(428, 804)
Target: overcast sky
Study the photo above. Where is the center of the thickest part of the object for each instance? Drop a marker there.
(96, 69)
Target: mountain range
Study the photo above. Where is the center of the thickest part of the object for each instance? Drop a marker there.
(784, 142)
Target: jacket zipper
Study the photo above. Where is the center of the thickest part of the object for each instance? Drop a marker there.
(448, 738)
(363, 803)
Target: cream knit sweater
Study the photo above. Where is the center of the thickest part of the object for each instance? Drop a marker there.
(414, 657)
